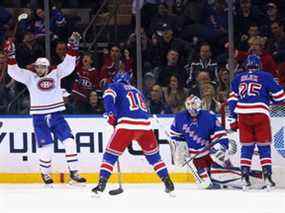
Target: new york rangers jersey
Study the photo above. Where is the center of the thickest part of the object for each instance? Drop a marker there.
(45, 92)
(252, 92)
(127, 104)
(198, 132)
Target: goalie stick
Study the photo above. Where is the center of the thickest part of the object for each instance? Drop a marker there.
(120, 189)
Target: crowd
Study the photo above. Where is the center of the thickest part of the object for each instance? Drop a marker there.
(184, 51)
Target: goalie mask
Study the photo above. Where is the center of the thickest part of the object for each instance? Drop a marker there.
(193, 105)
(41, 66)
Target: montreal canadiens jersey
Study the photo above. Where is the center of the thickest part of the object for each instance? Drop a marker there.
(45, 92)
(252, 92)
(198, 132)
(127, 104)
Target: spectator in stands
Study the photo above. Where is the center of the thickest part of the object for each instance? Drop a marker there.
(60, 51)
(131, 43)
(28, 51)
(223, 85)
(5, 22)
(156, 103)
(170, 68)
(6, 84)
(94, 106)
(58, 25)
(166, 41)
(68, 102)
(208, 97)
(253, 31)
(86, 80)
(213, 27)
(148, 83)
(195, 86)
(112, 62)
(272, 15)
(39, 25)
(257, 48)
(245, 16)
(164, 16)
(205, 63)
(276, 43)
(174, 95)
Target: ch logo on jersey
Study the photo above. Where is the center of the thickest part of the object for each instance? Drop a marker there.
(279, 142)
(46, 84)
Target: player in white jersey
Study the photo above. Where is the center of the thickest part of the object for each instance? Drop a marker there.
(47, 105)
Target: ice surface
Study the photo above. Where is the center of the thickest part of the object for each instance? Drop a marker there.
(35, 198)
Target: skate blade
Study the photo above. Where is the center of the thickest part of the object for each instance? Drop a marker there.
(246, 188)
(76, 184)
(96, 194)
(171, 194)
(48, 186)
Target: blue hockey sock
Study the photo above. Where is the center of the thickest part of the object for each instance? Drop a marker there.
(265, 158)
(246, 156)
(107, 165)
(158, 165)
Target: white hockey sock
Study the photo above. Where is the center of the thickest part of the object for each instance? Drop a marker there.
(71, 154)
(45, 155)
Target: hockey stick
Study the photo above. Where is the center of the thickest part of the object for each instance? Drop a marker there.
(120, 189)
(170, 142)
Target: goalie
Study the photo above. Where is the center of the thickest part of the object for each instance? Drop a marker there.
(193, 130)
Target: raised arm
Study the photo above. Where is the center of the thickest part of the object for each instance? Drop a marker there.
(14, 71)
(68, 65)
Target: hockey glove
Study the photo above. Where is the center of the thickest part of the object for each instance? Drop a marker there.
(112, 120)
(73, 41)
(9, 49)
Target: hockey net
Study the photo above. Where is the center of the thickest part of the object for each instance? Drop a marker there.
(277, 116)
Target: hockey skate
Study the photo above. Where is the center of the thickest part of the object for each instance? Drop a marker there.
(169, 186)
(268, 182)
(245, 182)
(76, 179)
(47, 179)
(100, 187)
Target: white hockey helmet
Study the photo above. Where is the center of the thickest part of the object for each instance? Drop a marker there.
(42, 62)
(193, 104)
(41, 66)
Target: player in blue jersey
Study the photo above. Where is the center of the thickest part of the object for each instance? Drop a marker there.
(199, 128)
(127, 113)
(252, 91)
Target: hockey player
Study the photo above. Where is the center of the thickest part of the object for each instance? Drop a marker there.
(251, 93)
(127, 112)
(47, 105)
(198, 128)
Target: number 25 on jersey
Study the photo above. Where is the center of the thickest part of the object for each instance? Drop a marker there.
(249, 89)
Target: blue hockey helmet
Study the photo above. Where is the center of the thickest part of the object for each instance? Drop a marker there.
(193, 104)
(122, 77)
(253, 62)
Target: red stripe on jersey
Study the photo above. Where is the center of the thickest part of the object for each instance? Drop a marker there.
(245, 162)
(135, 122)
(107, 166)
(218, 136)
(159, 166)
(265, 161)
(251, 107)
